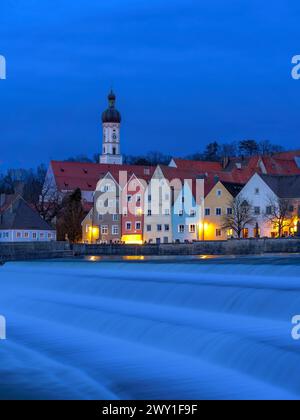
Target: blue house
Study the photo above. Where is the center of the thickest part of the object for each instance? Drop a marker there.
(187, 214)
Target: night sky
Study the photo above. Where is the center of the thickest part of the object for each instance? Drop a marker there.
(185, 73)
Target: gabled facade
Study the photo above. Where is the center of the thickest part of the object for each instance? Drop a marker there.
(103, 222)
(187, 211)
(133, 196)
(264, 192)
(218, 204)
(157, 212)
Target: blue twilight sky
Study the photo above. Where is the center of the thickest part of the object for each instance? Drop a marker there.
(186, 72)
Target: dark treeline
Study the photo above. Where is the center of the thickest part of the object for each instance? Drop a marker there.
(214, 151)
(29, 182)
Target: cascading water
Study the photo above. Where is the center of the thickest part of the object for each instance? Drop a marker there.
(186, 329)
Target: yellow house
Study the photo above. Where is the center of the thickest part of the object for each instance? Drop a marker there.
(216, 205)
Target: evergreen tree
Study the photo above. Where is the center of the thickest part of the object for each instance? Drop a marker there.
(69, 224)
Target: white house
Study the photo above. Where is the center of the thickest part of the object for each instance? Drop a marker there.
(20, 223)
(158, 205)
(264, 191)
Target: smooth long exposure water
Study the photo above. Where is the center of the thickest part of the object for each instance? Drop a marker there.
(171, 329)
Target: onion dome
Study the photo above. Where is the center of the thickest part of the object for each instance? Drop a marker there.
(111, 115)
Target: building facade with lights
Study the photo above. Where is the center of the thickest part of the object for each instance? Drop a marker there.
(218, 203)
(274, 199)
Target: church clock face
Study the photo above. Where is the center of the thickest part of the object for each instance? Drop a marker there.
(114, 137)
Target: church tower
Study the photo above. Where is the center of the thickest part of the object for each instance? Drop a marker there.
(111, 121)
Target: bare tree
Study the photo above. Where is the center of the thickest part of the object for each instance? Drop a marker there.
(240, 217)
(280, 213)
(49, 204)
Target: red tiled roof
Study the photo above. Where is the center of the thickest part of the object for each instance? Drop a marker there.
(72, 175)
(287, 155)
(198, 166)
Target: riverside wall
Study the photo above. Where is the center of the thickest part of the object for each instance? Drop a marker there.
(50, 250)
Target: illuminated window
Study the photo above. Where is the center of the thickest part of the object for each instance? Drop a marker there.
(192, 228)
(245, 233)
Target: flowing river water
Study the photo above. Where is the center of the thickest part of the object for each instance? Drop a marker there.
(138, 328)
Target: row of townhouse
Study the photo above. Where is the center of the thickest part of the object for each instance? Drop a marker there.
(185, 201)
(169, 210)
(273, 203)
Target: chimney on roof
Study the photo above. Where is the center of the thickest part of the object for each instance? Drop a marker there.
(225, 162)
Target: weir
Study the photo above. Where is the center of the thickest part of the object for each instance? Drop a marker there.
(205, 330)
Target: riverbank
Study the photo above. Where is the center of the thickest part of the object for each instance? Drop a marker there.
(53, 250)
